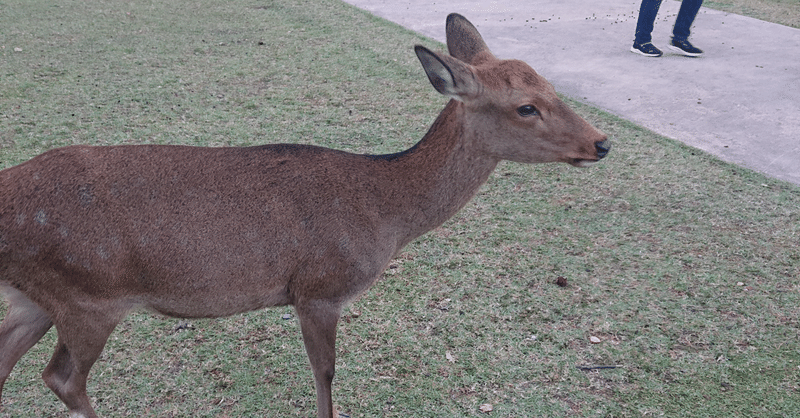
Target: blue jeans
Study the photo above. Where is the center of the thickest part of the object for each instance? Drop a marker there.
(647, 16)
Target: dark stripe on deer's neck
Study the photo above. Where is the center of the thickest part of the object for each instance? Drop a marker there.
(440, 174)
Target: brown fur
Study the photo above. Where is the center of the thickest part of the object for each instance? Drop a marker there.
(89, 233)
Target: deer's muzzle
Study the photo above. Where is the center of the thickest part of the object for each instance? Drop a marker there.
(602, 147)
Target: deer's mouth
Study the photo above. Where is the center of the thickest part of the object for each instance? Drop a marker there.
(601, 148)
(583, 163)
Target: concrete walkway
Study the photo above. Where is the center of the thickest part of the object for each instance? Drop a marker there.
(740, 101)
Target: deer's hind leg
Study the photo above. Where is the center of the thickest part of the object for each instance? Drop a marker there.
(24, 325)
(82, 334)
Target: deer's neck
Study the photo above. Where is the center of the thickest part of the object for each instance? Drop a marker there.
(440, 174)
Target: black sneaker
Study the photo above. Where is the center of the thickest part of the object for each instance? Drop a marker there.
(646, 49)
(685, 48)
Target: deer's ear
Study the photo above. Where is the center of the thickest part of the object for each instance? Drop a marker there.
(464, 42)
(448, 75)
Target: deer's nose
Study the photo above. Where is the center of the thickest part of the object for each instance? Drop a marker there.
(602, 147)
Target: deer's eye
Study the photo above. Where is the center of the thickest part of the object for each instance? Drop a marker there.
(527, 110)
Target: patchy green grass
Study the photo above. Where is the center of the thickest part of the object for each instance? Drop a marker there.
(686, 268)
(785, 12)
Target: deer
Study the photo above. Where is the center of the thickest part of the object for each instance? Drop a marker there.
(90, 233)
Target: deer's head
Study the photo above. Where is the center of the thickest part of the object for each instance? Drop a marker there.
(514, 112)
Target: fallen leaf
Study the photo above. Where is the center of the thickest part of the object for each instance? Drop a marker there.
(17, 49)
(595, 340)
(449, 357)
(486, 408)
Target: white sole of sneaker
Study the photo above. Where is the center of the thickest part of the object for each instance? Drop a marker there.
(636, 51)
(682, 52)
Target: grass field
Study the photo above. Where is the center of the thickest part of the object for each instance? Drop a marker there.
(785, 12)
(684, 267)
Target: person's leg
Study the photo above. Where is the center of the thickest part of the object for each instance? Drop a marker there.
(686, 15)
(644, 24)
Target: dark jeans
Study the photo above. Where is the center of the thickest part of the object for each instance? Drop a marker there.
(647, 16)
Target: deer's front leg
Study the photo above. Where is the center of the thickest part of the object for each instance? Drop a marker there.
(318, 319)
